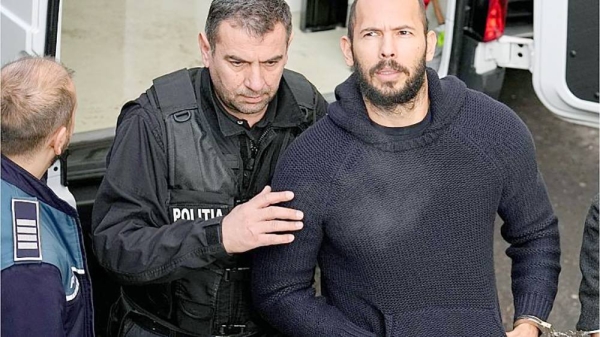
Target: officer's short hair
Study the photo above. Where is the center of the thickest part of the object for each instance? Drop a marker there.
(257, 17)
(352, 18)
(37, 99)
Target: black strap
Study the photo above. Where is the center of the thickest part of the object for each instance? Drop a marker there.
(175, 92)
(173, 95)
(147, 320)
(304, 94)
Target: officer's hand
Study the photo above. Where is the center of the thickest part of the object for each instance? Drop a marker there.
(256, 222)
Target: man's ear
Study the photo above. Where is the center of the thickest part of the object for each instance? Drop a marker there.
(287, 49)
(431, 45)
(59, 140)
(289, 43)
(346, 46)
(205, 49)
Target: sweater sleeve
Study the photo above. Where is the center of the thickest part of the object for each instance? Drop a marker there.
(282, 276)
(588, 262)
(530, 226)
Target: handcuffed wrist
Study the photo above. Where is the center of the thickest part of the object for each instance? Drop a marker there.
(589, 333)
(541, 325)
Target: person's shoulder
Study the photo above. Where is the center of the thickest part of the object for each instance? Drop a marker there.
(305, 95)
(303, 90)
(146, 107)
(19, 214)
(592, 218)
(480, 106)
(322, 137)
(595, 201)
(31, 224)
(490, 121)
(140, 109)
(33, 232)
(321, 147)
(291, 75)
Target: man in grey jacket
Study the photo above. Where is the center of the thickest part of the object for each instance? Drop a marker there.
(588, 262)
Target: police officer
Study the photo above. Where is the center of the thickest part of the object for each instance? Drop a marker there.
(588, 264)
(45, 286)
(186, 188)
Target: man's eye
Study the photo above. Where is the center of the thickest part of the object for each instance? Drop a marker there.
(271, 63)
(236, 63)
(370, 34)
(404, 32)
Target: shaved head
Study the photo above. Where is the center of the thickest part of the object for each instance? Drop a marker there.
(352, 17)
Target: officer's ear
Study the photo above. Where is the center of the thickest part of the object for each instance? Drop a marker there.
(205, 49)
(59, 140)
(290, 40)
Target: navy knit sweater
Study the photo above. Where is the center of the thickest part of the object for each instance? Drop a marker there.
(403, 229)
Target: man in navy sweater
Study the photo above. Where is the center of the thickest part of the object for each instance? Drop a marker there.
(400, 185)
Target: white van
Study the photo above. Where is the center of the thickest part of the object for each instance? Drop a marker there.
(557, 40)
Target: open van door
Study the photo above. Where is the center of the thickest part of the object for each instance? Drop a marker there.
(565, 60)
(29, 27)
(32, 27)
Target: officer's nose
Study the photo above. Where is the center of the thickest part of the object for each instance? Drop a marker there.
(255, 79)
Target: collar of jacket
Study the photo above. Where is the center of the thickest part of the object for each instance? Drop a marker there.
(25, 181)
(287, 114)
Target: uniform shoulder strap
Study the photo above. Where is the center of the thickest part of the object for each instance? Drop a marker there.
(173, 96)
(304, 93)
(173, 93)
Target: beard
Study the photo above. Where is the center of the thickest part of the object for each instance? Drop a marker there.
(389, 98)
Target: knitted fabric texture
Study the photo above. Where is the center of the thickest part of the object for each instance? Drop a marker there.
(403, 229)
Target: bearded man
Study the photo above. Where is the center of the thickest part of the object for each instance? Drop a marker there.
(400, 185)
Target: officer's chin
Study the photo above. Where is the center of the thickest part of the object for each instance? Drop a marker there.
(253, 108)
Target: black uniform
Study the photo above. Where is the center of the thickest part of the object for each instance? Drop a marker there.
(174, 170)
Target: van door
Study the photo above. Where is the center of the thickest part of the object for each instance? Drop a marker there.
(29, 27)
(32, 27)
(565, 61)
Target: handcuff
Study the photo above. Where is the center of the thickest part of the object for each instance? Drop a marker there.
(543, 326)
(546, 328)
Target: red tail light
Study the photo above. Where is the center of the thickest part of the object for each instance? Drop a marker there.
(496, 20)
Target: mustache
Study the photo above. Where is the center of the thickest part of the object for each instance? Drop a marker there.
(391, 64)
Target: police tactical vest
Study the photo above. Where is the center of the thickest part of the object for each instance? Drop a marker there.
(205, 183)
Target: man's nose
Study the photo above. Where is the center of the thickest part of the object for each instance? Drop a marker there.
(388, 49)
(255, 79)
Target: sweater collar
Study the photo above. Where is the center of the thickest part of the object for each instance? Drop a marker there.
(446, 97)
